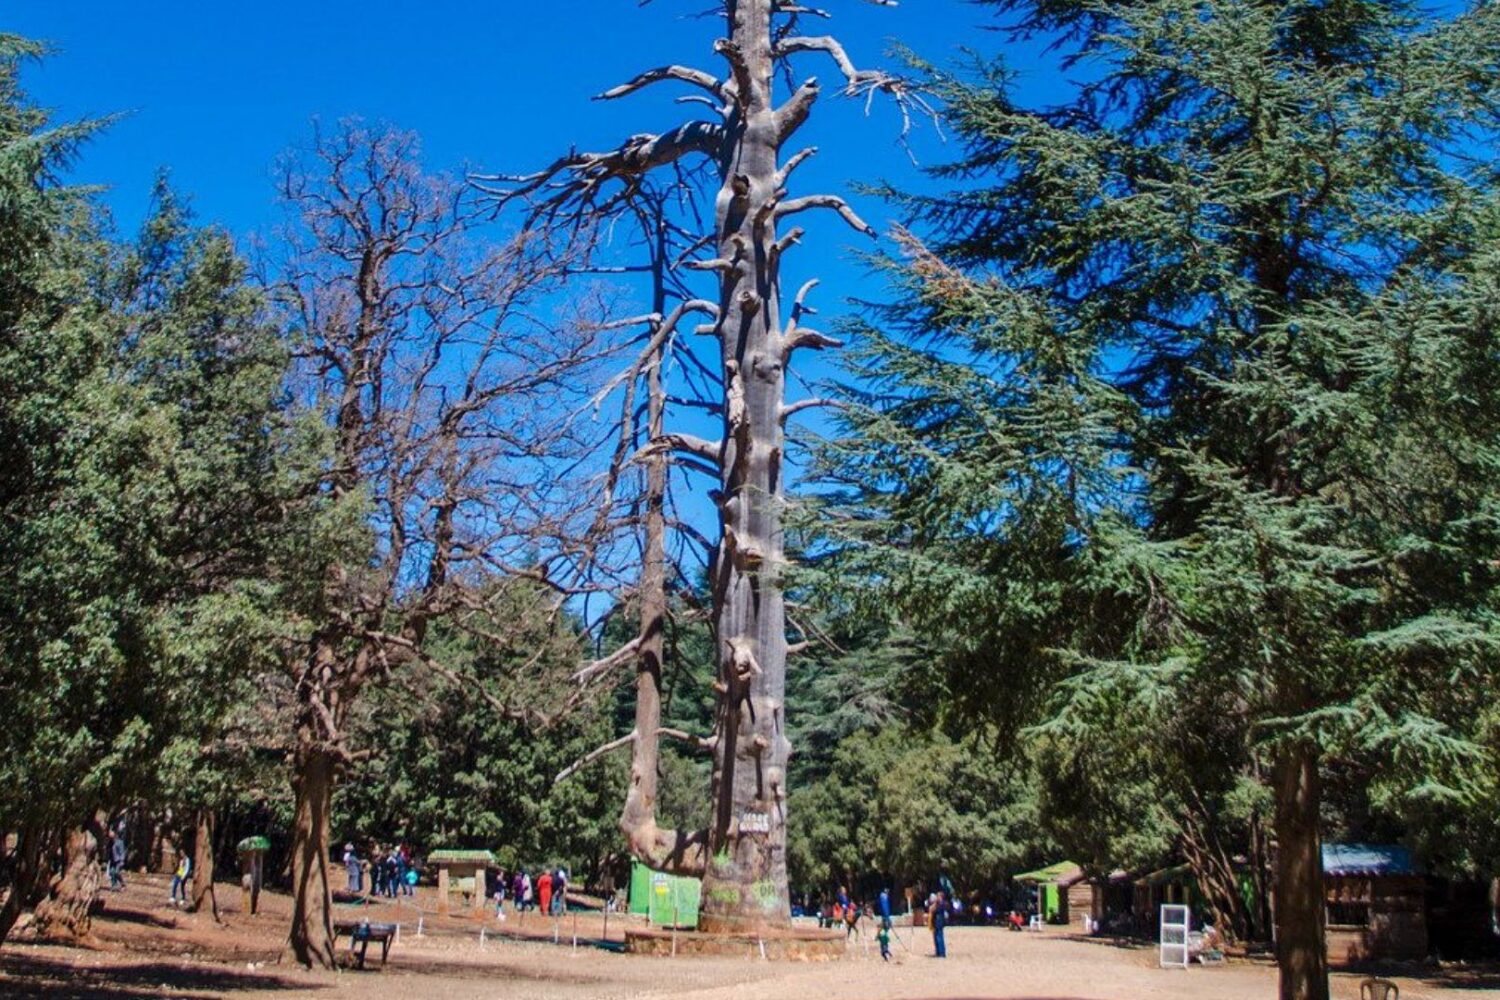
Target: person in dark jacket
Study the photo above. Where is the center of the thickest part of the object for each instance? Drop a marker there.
(937, 915)
(116, 861)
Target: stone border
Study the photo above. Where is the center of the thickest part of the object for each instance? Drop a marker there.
(796, 945)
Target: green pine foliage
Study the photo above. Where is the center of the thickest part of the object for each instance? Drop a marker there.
(138, 416)
(1184, 408)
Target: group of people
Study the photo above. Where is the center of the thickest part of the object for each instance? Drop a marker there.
(114, 866)
(391, 872)
(546, 893)
(937, 908)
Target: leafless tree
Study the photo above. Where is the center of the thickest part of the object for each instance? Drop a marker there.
(749, 128)
(442, 395)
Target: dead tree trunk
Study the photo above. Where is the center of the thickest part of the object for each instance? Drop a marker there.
(744, 865)
(66, 911)
(745, 886)
(311, 939)
(1300, 951)
(203, 866)
(662, 849)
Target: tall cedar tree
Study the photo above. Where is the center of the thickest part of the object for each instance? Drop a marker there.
(1193, 381)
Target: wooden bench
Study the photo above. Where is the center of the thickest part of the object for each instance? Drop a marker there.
(361, 933)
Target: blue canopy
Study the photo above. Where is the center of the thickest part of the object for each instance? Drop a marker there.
(1367, 860)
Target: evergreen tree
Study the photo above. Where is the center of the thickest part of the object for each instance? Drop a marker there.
(1188, 401)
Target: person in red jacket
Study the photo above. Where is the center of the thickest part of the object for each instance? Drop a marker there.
(544, 891)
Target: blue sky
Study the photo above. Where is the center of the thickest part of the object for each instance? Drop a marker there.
(214, 91)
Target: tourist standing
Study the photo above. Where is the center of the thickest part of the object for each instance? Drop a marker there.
(392, 873)
(544, 891)
(884, 903)
(937, 914)
(116, 861)
(352, 868)
(398, 863)
(560, 891)
(180, 878)
(408, 871)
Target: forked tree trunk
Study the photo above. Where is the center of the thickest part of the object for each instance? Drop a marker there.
(311, 937)
(203, 866)
(745, 887)
(66, 911)
(1301, 953)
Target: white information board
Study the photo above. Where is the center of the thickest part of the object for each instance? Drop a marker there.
(1174, 936)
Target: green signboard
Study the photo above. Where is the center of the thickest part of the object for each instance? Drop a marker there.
(664, 899)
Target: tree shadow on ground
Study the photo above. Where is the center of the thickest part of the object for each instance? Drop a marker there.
(132, 916)
(517, 970)
(1116, 941)
(37, 976)
(1487, 978)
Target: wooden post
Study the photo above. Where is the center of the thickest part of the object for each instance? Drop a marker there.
(442, 906)
(479, 890)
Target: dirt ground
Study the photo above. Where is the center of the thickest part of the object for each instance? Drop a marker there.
(144, 947)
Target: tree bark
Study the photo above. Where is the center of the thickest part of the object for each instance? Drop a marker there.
(1260, 910)
(203, 866)
(66, 911)
(745, 887)
(27, 878)
(311, 938)
(666, 850)
(1301, 953)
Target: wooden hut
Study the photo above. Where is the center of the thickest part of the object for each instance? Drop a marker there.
(1174, 885)
(1376, 903)
(1063, 896)
(1113, 902)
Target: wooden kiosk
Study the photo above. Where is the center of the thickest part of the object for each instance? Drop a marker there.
(252, 851)
(461, 872)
